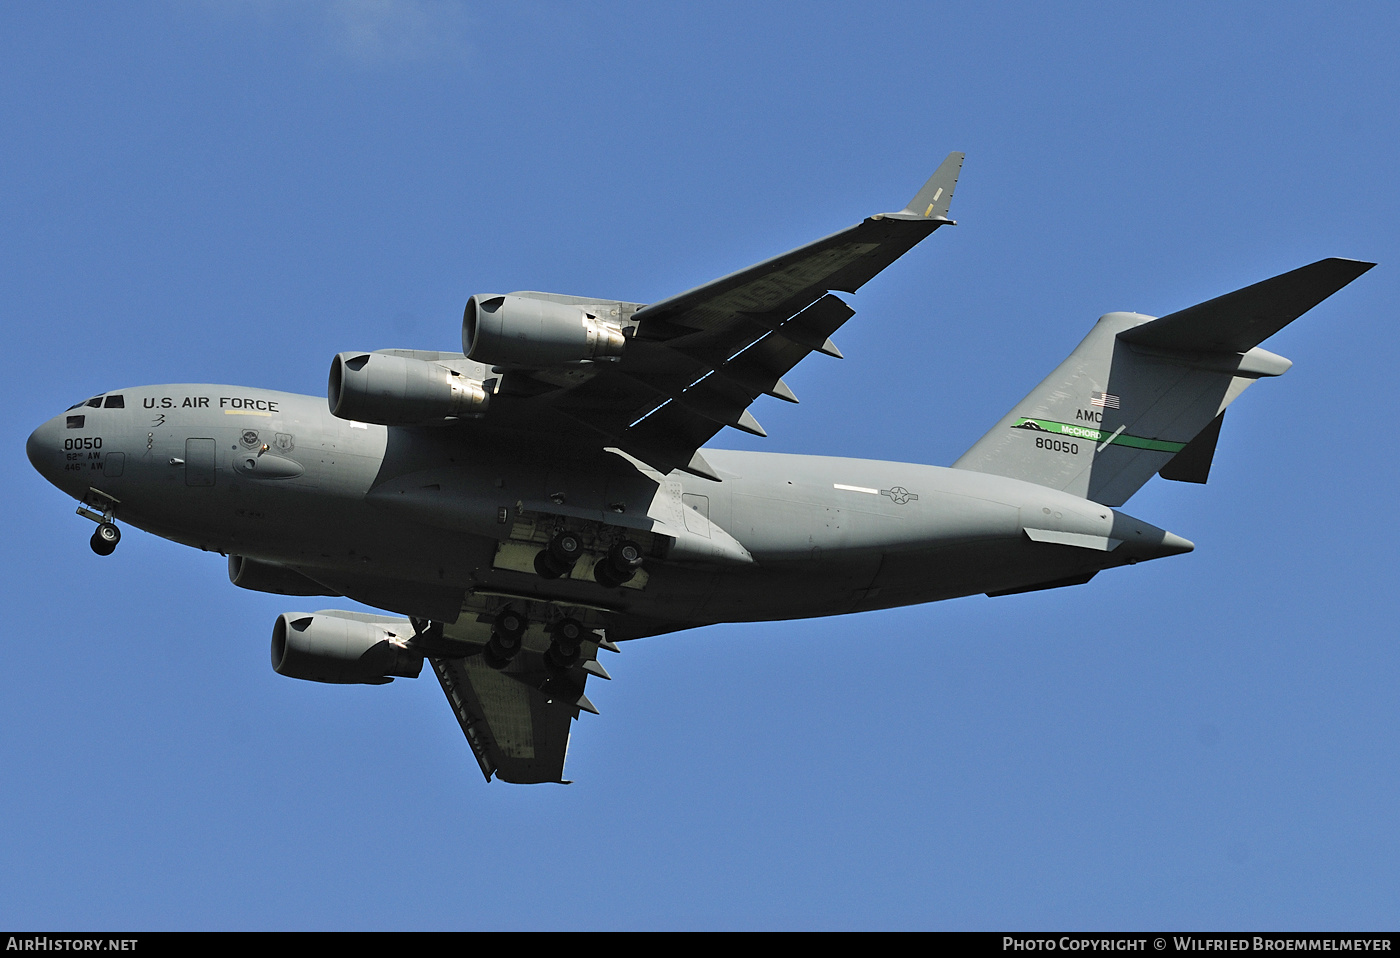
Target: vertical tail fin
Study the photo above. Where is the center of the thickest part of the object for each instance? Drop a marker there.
(1140, 395)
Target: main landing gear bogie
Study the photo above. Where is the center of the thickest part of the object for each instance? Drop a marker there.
(567, 636)
(565, 548)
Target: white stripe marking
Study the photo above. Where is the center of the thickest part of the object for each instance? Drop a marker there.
(873, 492)
(1116, 433)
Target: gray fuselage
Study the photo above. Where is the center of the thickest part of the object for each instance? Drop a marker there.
(417, 520)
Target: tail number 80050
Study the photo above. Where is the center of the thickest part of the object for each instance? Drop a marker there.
(1057, 445)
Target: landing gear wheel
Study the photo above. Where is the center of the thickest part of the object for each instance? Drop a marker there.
(504, 644)
(621, 564)
(546, 567)
(569, 632)
(563, 652)
(104, 540)
(559, 556)
(511, 624)
(494, 657)
(566, 547)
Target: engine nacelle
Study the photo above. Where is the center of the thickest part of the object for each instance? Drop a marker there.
(261, 576)
(532, 333)
(327, 648)
(398, 391)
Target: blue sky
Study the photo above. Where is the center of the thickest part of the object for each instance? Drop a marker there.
(233, 192)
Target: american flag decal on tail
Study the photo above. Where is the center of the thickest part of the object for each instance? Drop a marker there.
(1105, 400)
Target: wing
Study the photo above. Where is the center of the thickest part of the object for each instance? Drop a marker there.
(516, 722)
(692, 364)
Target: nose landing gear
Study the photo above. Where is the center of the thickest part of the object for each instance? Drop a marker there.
(104, 540)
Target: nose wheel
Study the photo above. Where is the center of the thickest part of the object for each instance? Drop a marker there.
(104, 540)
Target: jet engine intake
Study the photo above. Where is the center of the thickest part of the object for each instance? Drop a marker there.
(328, 648)
(398, 391)
(532, 333)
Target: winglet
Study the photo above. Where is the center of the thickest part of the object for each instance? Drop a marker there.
(933, 201)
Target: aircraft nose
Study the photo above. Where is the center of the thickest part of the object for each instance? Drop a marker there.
(44, 452)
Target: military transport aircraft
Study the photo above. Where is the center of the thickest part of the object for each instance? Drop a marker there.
(543, 494)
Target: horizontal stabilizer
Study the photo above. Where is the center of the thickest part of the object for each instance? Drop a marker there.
(1239, 321)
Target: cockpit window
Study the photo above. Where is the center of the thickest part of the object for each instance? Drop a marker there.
(115, 402)
(95, 402)
(76, 405)
(76, 422)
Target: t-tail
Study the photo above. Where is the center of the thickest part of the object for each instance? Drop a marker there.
(1143, 396)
